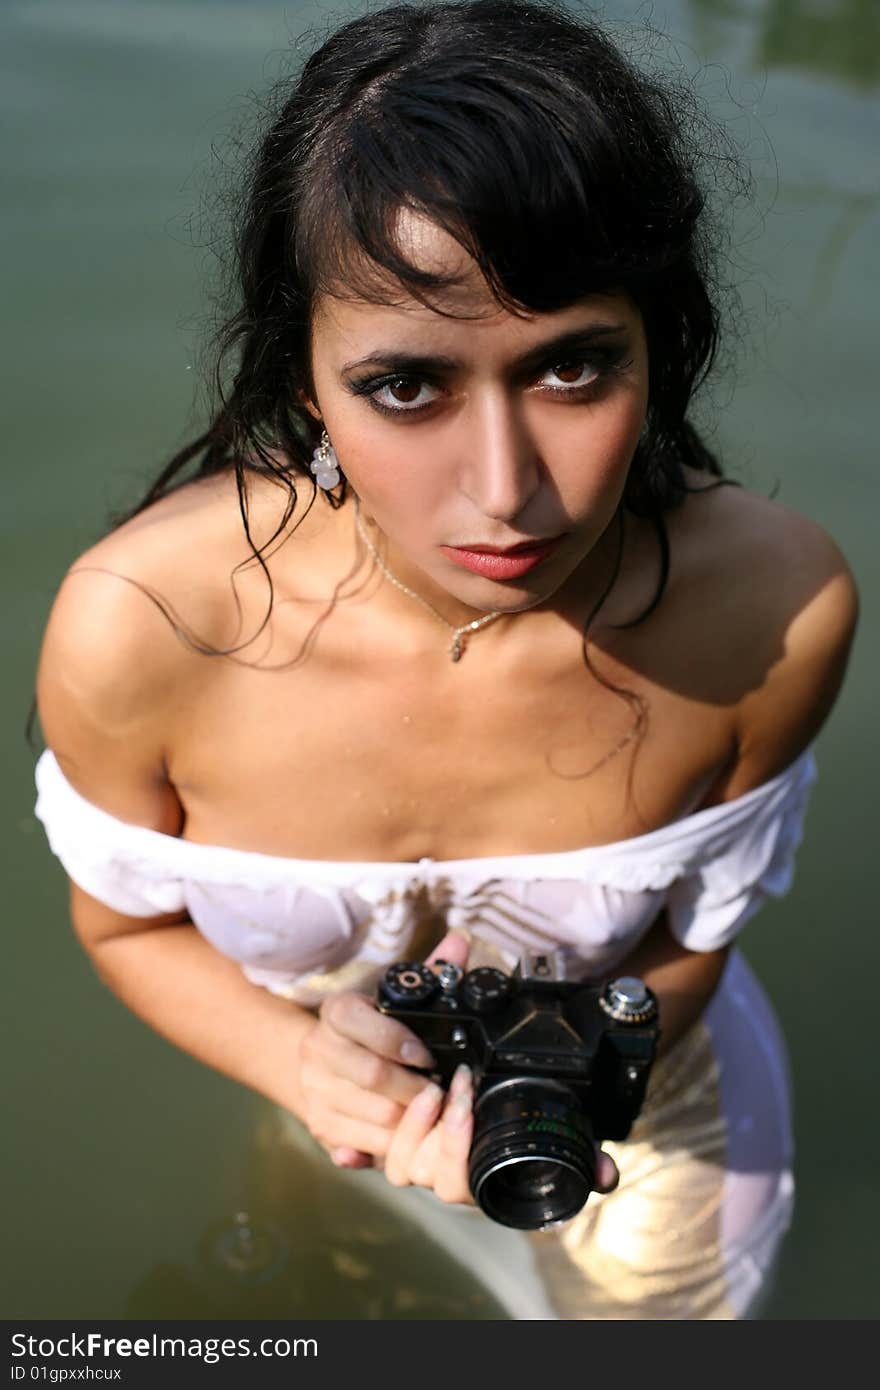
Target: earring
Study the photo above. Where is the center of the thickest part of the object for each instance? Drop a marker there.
(325, 464)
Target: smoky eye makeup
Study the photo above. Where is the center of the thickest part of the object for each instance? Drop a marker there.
(420, 382)
(404, 383)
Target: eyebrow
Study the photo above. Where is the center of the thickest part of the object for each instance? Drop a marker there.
(574, 339)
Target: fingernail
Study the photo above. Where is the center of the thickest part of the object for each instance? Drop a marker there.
(415, 1054)
(458, 1113)
(461, 1080)
(607, 1177)
(343, 1158)
(427, 1100)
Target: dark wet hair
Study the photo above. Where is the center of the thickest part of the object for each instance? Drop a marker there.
(525, 133)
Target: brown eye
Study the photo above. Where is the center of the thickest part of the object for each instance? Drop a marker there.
(568, 371)
(405, 390)
(567, 378)
(402, 395)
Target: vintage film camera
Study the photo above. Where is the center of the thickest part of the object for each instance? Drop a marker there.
(558, 1068)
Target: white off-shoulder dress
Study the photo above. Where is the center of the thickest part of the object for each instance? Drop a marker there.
(706, 1189)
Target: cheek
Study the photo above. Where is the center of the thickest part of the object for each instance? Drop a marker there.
(595, 458)
(390, 472)
(622, 430)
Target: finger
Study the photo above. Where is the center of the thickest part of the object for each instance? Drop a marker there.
(347, 1098)
(416, 1124)
(331, 1058)
(355, 1017)
(454, 948)
(350, 1158)
(607, 1175)
(424, 1162)
(338, 1131)
(456, 1132)
(462, 1083)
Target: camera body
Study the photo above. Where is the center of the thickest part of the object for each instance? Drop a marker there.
(558, 1068)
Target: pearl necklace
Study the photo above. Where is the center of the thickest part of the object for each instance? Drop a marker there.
(459, 634)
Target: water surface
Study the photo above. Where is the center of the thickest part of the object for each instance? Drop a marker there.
(135, 1174)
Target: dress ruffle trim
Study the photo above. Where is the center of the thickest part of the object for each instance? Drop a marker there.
(731, 845)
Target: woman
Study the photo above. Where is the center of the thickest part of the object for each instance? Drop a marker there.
(458, 644)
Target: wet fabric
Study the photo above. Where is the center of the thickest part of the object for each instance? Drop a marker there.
(705, 1197)
(706, 1188)
(307, 928)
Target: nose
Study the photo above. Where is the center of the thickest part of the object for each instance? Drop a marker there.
(500, 471)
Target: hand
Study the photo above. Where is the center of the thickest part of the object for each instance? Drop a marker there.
(607, 1175)
(431, 1144)
(366, 1107)
(354, 1081)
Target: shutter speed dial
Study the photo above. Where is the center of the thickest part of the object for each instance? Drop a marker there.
(628, 1000)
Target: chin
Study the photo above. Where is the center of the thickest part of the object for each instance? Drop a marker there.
(492, 597)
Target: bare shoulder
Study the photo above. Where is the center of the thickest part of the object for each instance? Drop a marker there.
(116, 607)
(739, 525)
(183, 567)
(125, 637)
(788, 610)
(180, 550)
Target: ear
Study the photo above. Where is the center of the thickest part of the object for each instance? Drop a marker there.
(309, 405)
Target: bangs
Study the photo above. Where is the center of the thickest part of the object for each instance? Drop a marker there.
(527, 175)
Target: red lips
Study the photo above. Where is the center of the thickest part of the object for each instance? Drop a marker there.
(508, 563)
(517, 549)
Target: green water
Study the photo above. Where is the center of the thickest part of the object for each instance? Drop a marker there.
(126, 1162)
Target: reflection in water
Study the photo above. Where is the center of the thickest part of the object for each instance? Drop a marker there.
(250, 1251)
(838, 38)
(309, 1245)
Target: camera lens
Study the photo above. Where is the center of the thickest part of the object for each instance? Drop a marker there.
(525, 1180)
(533, 1157)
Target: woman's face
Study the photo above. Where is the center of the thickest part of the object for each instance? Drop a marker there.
(464, 437)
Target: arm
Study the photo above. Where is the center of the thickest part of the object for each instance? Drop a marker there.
(683, 981)
(774, 723)
(111, 677)
(168, 975)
